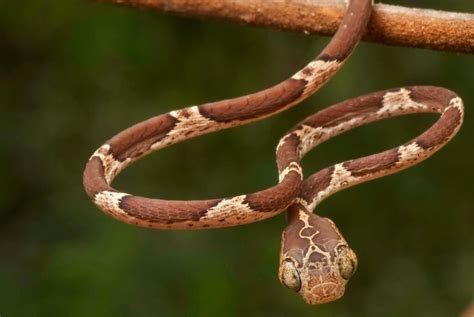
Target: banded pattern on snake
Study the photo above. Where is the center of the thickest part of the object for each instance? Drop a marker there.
(315, 261)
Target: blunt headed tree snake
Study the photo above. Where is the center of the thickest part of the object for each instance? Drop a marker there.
(315, 260)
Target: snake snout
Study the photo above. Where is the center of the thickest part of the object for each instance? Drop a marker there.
(324, 293)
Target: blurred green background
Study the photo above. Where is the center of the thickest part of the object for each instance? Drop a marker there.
(74, 73)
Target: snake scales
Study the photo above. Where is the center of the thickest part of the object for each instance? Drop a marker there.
(315, 260)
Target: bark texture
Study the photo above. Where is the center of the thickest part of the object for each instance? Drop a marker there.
(392, 25)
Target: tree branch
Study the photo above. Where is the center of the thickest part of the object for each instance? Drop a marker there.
(392, 25)
(469, 312)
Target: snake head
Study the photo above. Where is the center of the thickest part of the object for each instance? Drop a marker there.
(315, 260)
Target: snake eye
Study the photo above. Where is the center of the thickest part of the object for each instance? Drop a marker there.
(289, 275)
(347, 262)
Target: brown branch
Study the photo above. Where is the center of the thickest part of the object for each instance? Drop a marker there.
(392, 25)
(469, 312)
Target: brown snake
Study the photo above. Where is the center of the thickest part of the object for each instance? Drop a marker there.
(315, 260)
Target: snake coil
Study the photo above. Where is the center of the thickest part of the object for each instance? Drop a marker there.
(315, 260)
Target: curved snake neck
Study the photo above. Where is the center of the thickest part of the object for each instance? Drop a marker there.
(315, 260)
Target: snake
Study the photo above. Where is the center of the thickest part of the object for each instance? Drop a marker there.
(315, 259)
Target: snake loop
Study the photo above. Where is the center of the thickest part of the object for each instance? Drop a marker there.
(175, 126)
(315, 260)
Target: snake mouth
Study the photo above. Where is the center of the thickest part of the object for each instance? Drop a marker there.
(324, 293)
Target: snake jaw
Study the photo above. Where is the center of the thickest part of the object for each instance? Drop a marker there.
(327, 281)
(323, 289)
(317, 284)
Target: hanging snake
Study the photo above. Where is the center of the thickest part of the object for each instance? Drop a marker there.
(315, 260)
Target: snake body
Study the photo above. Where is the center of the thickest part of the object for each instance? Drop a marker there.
(315, 261)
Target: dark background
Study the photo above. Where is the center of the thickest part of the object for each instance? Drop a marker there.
(74, 73)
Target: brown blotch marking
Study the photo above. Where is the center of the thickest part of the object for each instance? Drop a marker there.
(346, 38)
(188, 132)
(436, 98)
(308, 71)
(328, 233)
(316, 257)
(287, 152)
(264, 102)
(346, 110)
(165, 211)
(185, 113)
(441, 130)
(94, 178)
(293, 244)
(316, 183)
(307, 232)
(138, 139)
(277, 197)
(372, 163)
